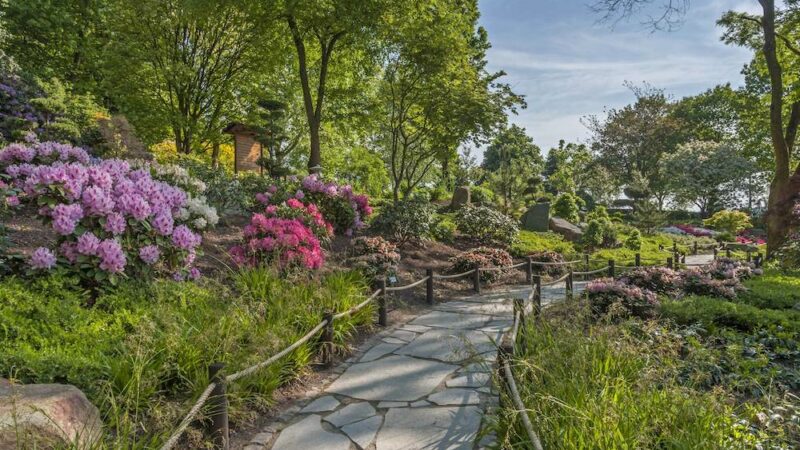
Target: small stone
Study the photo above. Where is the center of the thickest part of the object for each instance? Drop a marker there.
(392, 404)
(380, 350)
(469, 380)
(363, 432)
(322, 404)
(459, 397)
(307, 434)
(420, 403)
(447, 428)
(391, 340)
(351, 413)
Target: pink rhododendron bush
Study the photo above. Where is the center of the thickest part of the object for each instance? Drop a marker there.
(618, 298)
(289, 243)
(111, 219)
(484, 257)
(374, 256)
(338, 204)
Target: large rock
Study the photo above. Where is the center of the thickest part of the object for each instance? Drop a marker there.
(47, 416)
(461, 197)
(537, 218)
(569, 231)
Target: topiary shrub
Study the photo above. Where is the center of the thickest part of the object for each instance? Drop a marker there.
(487, 225)
(409, 220)
(615, 298)
(634, 240)
(567, 207)
(486, 258)
(593, 234)
(444, 229)
(727, 221)
(374, 256)
(481, 195)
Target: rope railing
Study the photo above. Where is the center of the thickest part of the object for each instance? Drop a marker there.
(453, 277)
(358, 307)
(407, 286)
(550, 283)
(520, 406)
(591, 272)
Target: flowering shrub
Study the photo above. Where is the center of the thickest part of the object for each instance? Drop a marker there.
(340, 206)
(308, 214)
(547, 256)
(484, 257)
(694, 231)
(661, 280)
(607, 295)
(698, 281)
(374, 256)
(409, 220)
(289, 243)
(486, 224)
(105, 213)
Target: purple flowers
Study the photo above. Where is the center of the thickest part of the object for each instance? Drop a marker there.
(87, 244)
(149, 254)
(184, 238)
(43, 258)
(112, 257)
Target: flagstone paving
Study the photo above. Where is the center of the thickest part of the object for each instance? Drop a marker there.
(422, 385)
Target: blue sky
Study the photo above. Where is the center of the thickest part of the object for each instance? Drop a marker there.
(568, 66)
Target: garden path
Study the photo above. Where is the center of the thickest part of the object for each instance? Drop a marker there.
(423, 384)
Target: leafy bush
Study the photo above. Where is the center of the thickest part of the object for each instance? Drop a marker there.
(409, 220)
(727, 221)
(444, 229)
(529, 242)
(481, 195)
(620, 299)
(661, 280)
(112, 221)
(600, 213)
(374, 256)
(787, 257)
(486, 224)
(484, 257)
(634, 240)
(714, 312)
(567, 207)
(547, 257)
(698, 281)
(308, 214)
(593, 234)
(287, 243)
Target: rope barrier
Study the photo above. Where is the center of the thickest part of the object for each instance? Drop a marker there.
(359, 306)
(189, 417)
(591, 272)
(550, 283)
(563, 263)
(408, 286)
(512, 385)
(451, 277)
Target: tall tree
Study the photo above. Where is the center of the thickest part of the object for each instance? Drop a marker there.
(512, 163)
(178, 64)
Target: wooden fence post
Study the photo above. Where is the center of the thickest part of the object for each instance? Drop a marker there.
(749, 256)
(327, 339)
(537, 294)
(382, 302)
(429, 286)
(727, 252)
(674, 247)
(218, 402)
(759, 259)
(529, 271)
(586, 262)
(637, 258)
(694, 248)
(670, 263)
(476, 279)
(611, 268)
(568, 286)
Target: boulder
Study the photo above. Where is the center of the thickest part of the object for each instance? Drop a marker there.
(461, 197)
(569, 231)
(537, 218)
(47, 416)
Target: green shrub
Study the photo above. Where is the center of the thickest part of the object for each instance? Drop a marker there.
(486, 224)
(593, 234)
(529, 242)
(773, 290)
(484, 257)
(409, 220)
(481, 195)
(730, 222)
(567, 207)
(634, 240)
(600, 213)
(713, 312)
(444, 229)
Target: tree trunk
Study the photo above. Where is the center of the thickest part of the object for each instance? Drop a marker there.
(215, 155)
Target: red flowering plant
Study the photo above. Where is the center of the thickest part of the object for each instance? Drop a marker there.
(309, 214)
(485, 257)
(289, 243)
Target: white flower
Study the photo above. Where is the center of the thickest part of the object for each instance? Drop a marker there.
(199, 223)
(182, 214)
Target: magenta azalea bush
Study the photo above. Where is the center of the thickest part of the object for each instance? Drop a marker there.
(374, 256)
(308, 214)
(338, 204)
(619, 298)
(289, 243)
(661, 280)
(485, 257)
(111, 219)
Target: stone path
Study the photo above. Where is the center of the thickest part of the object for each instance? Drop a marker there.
(697, 260)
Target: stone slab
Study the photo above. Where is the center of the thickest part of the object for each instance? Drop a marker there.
(458, 321)
(416, 328)
(322, 404)
(448, 345)
(392, 404)
(393, 340)
(471, 379)
(449, 428)
(351, 413)
(405, 336)
(384, 348)
(457, 397)
(308, 433)
(363, 432)
(393, 378)
(494, 308)
(420, 403)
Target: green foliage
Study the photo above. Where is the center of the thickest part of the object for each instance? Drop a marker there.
(647, 217)
(138, 361)
(484, 257)
(713, 312)
(486, 224)
(634, 240)
(728, 221)
(593, 234)
(444, 229)
(408, 220)
(359, 167)
(529, 242)
(512, 162)
(481, 195)
(568, 207)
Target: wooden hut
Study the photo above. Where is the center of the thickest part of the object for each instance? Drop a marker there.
(247, 150)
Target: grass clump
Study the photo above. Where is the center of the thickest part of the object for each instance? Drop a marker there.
(529, 242)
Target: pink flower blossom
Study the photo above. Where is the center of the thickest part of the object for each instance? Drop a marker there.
(43, 258)
(149, 254)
